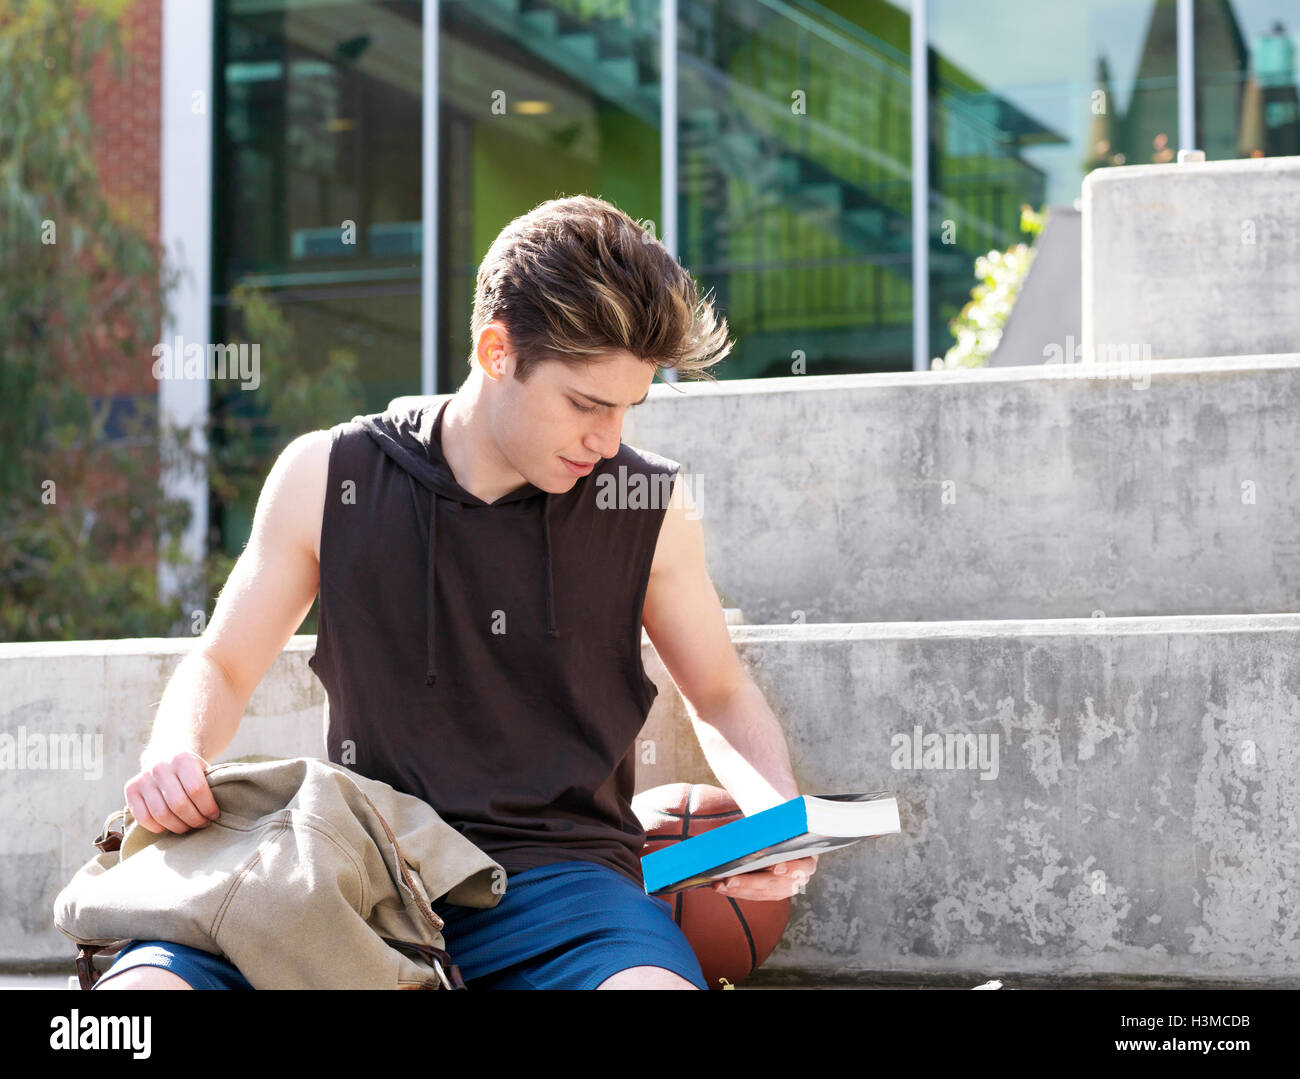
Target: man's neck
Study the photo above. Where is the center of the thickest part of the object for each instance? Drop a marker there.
(470, 452)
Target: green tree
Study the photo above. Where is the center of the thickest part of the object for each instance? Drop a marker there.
(249, 428)
(978, 326)
(82, 291)
(83, 296)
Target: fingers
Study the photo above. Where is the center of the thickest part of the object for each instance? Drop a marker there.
(136, 804)
(160, 813)
(177, 798)
(172, 795)
(780, 881)
(800, 870)
(190, 772)
(743, 889)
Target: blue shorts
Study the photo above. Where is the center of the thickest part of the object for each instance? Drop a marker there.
(568, 925)
(201, 969)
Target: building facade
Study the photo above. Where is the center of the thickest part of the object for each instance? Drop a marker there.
(827, 169)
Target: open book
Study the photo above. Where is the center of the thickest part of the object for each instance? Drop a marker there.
(809, 824)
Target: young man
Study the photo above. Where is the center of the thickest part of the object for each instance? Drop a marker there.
(482, 599)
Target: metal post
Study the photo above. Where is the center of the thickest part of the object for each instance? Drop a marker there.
(185, 221)
(429, 203)
(1186, 76)
(920, 188)
(668, 133)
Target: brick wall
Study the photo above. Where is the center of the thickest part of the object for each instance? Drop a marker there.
(126, 109)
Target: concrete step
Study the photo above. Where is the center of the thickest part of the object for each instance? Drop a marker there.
(38, 981)
(1198, 258)
(1111, 797)
(1024, 492)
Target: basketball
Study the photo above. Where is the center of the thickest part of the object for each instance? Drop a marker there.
(730, 937)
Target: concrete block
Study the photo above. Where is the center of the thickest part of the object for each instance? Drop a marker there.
(1017, 492)
(93, 703)
(1130, 811)
(1196, 259)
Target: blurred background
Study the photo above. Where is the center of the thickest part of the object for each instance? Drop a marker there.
(254, 171)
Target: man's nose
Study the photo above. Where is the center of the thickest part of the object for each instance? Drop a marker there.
(607, 435)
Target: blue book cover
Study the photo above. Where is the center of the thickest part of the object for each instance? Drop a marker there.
(809, 824)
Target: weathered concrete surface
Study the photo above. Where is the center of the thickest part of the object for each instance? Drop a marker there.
(1017, 492)
(109, 691)
(1143, 822)
(1193, 259)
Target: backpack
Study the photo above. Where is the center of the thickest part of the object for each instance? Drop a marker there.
(311, 877)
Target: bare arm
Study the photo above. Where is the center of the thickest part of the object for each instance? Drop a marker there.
(268, 594)
(738, 732)
(740, 736)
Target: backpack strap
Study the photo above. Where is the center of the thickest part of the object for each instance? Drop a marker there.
(108, 841)
(447, 971)
(87, 975)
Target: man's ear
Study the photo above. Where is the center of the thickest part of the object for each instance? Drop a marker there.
(492, 351)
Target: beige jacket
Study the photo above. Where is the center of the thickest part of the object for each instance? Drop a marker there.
(312, 877)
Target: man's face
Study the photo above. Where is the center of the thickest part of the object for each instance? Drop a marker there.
(566, 413)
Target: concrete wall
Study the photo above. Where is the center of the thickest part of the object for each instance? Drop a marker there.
(1197, 259)
(103, 695)
(1047, 309)
(106, 691)
(1141, 821)
(1020, 492)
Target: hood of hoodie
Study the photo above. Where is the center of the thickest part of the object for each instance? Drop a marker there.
(412, 437)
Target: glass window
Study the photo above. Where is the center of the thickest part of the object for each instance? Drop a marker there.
(318, 175)
(317, 198)
(556, 99)
(1027, 98)
(1246, 80)
(795, 182)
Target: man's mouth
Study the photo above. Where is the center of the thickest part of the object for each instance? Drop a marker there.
(579, 468)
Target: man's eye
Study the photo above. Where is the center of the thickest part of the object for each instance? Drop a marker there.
(581, 408)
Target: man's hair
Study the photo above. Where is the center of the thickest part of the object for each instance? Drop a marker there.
(576, 276)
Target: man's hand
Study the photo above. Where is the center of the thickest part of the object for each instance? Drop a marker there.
(774, 882)
(171, 793)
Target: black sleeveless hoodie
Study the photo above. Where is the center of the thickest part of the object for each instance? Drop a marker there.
(486, 657)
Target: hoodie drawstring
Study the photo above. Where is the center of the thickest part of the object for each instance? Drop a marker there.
(430, 575)
(551, 629)
(430, 581)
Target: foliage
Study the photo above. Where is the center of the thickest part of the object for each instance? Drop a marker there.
(84, 522)
(249, 428)
(81, 293)
(978, 327)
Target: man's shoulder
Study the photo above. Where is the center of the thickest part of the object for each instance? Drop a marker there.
(307, 454)
(635, 479)
(640, 461)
